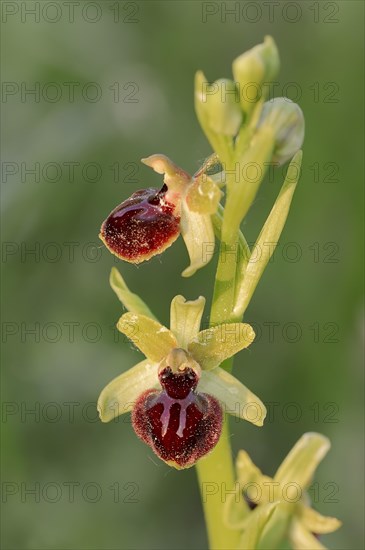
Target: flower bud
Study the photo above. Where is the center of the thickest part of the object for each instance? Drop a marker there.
(221, 104)
(254, 68)
(286, 120)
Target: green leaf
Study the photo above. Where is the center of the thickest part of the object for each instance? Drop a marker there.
(268, 238)
(131, 301)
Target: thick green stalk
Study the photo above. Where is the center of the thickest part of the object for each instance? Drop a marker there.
(216, 473)
(216, 477)
(230, 253)
(224, 288)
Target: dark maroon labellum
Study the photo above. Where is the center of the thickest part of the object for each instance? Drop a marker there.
(180, 424)
(142, 226)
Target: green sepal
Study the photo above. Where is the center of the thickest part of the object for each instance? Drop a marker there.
(235, 398)
(130, 300)
(119, 396)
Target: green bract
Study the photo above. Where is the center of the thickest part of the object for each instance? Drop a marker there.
(286, 493)
(267, 241)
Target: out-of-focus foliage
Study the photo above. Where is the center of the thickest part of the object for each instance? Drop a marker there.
(306, 361)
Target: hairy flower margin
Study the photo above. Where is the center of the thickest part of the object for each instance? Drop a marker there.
(280, 505)
(182, 378)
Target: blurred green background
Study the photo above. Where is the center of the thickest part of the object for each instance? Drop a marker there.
(113, 83)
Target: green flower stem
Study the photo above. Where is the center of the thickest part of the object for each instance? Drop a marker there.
(231, 253)
(216, 473)
(216, 477)
(224, 288)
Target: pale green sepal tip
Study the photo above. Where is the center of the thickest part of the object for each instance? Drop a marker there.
(119, 396)
(302, 461)
(235, 398)
(246, 470)
(153, 339)
(185, 318)
(268, 238)
(131, 301)
(301, 539)
(316, 523)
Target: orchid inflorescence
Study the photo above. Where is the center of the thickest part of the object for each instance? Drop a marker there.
(181, 392)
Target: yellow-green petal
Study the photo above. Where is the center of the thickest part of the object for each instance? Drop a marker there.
(131, 301)
(261, 489)
(213, 345)
(301, 539)
(247, 471)
(153, 339)
(119, 396)
(235, 398)
(314, 522)
(300, 464)
(185, 318)
(254, 526)
(268, 238)
(198, 234)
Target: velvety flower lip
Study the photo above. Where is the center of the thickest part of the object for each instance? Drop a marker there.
(178, 393)
(141, 226)
(292, 515)
(149, 221)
